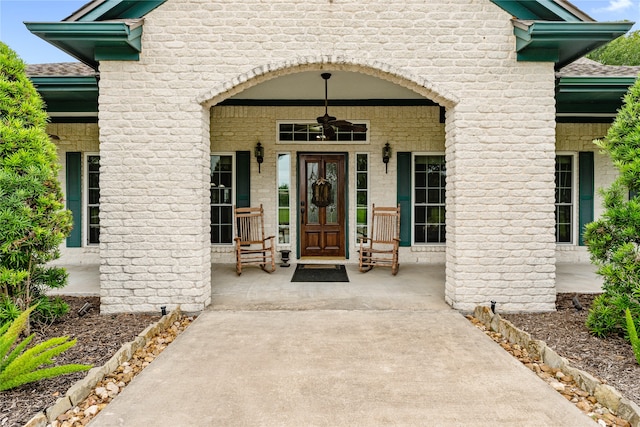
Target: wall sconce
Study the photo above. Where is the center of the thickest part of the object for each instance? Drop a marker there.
(259, 153)
(386, 155)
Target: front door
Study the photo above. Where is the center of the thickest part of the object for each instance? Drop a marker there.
(322, 204)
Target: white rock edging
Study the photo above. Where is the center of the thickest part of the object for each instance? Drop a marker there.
(605, 394)
(81, 389)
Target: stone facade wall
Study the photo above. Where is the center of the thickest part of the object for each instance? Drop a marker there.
(155, 136)
(74, 137)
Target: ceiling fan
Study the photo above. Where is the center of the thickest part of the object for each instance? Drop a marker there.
(329, 122)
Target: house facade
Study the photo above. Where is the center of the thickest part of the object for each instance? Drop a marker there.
(479, 121)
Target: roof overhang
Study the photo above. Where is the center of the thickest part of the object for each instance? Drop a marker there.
(91, 42)
(594, 97)
(543, 10)
(69, 97)
(103, 10)
(563, 42)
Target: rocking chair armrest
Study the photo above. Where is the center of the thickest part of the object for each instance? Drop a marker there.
(268, 238)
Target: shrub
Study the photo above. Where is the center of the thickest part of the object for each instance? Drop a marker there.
(20, 365)
(33, 221)
(633, 335)
(614, 239)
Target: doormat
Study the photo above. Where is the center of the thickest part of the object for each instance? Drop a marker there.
(320, 273)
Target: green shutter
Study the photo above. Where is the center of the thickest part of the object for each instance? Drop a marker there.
(74, 197)
(404, 197)
(243, 179)
(586, 192)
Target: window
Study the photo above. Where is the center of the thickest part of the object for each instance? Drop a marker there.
(312, 132)
(362, 195)
(429, 199)
(221, 199)
(284, 191)
(93, 199)
(564, 198)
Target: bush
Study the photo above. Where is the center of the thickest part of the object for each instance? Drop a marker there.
(633, 335)
(20, 365)
(33, 221)
(614, 239)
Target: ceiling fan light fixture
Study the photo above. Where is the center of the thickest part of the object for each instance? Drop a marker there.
(329, 122)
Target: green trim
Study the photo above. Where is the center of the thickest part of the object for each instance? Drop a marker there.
(346, 204)
(73, 171)
(120, 9)
(547, 10)
(70, 95)
(585, 191)
(596, 96)
(243, 179)
(90, 42)
(404, 196)
(563, 42)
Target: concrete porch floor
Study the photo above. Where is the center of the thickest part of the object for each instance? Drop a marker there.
(416, 287)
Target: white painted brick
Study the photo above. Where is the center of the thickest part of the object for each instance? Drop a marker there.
(155, 142)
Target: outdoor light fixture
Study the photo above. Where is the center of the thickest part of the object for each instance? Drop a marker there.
(386, 155)
(259, 153)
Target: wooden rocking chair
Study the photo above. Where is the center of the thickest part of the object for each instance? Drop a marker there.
(252, 247)
(381, 249)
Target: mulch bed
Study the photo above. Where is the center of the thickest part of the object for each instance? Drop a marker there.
(611, 360)
(99, 337)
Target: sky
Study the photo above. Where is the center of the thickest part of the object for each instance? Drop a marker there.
(34, 50)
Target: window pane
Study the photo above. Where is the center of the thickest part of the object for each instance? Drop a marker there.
(93, 199)
(564, 198)
(429, 199)
(284, 209)
(221, 199)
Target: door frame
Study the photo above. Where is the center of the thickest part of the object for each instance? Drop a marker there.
(345, 201)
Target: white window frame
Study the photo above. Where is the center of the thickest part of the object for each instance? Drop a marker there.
(355, 195)
(574, 198)
(311, 143)
(233, 195)
(278, 154)
(85, 199)
(413, 198)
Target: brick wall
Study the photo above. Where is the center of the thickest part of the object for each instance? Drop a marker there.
(74, 137)
(155, 135)
(573, 138)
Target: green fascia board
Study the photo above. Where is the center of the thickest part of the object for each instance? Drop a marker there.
(537, 10)
(121, 9)
(591, 95)
(563, 42)
(68, 94)
(87, 41)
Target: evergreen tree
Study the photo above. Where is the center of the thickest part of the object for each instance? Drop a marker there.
(33, 221)
(614, 239)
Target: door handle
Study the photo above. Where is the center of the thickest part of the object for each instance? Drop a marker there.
(302, 210)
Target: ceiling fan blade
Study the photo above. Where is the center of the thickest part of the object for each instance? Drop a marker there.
(345, 125)
(328, 131)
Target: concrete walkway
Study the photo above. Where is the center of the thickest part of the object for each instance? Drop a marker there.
(378, 350)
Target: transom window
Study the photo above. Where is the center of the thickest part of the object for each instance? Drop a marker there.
(564, 198)
(312, 132)
(222, 199)
(429, 199)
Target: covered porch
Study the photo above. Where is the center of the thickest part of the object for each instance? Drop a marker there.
(416, 287)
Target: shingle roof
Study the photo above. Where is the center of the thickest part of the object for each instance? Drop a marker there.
(585, 67)
(63, 69)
